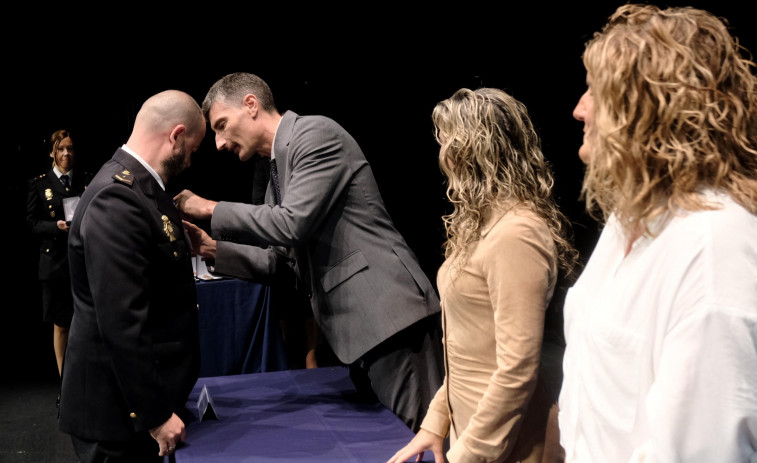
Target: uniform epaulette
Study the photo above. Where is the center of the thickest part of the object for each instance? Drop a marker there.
(37, 179)
(124, 177)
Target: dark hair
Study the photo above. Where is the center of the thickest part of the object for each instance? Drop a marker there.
(233, 87)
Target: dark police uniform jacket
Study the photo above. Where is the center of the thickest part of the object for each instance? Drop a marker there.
(44, 207)
(133, 350)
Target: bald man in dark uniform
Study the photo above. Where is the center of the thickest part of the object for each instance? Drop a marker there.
(133, 352)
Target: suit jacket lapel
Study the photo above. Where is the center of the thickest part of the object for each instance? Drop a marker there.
(281, 146)
(57, 184)
(284, 166)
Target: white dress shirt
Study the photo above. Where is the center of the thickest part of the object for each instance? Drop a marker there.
(661, 358)
(58, 173)
(145, 164)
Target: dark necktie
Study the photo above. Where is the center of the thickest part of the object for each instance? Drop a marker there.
(275, 181)
(65, 180)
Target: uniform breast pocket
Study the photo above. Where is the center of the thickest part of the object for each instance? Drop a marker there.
(175, 251)
(612, 376)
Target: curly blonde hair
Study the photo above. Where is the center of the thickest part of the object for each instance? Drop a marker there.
(492, 157)
(675, 111)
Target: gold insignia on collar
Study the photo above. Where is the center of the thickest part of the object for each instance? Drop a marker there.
(168, 228)
(48, 193)
(126, 172)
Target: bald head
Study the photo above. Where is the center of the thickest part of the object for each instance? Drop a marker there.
(162, 112)
(168, 128)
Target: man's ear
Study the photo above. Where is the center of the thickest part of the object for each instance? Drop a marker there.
(174, 135)
(250, 101)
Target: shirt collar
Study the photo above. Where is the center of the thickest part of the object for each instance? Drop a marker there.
(58, 173)
(145, 164)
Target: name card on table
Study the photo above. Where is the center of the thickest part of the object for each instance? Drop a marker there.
(205, 408)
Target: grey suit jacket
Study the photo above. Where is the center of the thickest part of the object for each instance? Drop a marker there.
(364, 281)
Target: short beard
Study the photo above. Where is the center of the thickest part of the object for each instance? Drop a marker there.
(176, 164)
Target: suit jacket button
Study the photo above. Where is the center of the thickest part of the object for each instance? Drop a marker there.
(132, 415)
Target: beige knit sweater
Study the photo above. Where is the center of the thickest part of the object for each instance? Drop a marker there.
(493, 318)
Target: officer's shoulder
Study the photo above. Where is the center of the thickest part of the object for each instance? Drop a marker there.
(37, 178)
(124, 177)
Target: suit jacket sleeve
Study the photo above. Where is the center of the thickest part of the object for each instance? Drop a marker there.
(319, 174)
(251, 262)
(116, 249)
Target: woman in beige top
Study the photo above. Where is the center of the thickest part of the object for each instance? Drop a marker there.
(506, 242)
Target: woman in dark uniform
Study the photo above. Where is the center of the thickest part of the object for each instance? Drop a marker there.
(47, 222)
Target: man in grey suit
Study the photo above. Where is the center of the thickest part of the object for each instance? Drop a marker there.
(372, 301)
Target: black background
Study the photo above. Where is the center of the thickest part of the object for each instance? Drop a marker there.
(378, 70)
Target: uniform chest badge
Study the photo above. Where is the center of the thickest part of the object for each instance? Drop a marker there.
(168, 228)
(48, 193)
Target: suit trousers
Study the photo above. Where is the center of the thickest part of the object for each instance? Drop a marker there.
(405, 371)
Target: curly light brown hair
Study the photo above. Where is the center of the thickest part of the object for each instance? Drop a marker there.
(675, 112)
(492, 157)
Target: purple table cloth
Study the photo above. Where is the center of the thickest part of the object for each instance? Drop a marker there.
(288, 417)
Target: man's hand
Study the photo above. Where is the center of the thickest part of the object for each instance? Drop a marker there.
(169, 434)
(62, 225)
(202, 243)
(194, 207)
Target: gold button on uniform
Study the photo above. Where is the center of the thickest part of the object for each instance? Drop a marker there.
(175, 254)
(132, 415)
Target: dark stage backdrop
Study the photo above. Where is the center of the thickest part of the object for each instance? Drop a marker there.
(378, 71)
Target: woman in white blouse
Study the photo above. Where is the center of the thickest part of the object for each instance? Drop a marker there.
(661, 326)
